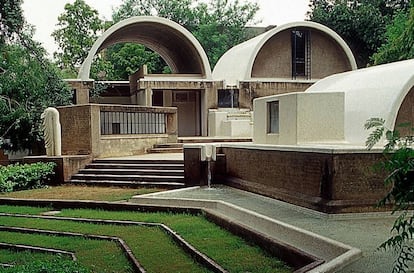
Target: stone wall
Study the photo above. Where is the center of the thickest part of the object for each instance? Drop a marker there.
(326, 181)
(81, 131)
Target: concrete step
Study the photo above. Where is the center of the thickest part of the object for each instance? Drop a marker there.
(165, 150)
(135, 166)
(130, 171)
(138, 161)
(133, 178)
(169, 145)
(129, 184)
(213, 139)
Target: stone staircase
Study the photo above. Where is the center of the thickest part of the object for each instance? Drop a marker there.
(167, 148)
(132, 173)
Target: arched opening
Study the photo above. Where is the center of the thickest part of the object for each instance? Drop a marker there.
(406, 114)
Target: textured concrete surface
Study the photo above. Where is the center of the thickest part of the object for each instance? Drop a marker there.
(363, 231)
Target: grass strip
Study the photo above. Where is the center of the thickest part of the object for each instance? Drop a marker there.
(8, 256)
(152, 247)
(230, 251)
(72, 192)
(99, 256)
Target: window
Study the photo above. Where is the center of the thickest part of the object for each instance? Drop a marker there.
(273, 117)
(228, 98)
(301, 53)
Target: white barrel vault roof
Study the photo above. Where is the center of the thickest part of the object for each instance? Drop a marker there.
(375, 92)
(176, 45)
(237, 63)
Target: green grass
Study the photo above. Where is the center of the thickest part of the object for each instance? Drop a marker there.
(9, 257)
(71, 192)
(103, 256)
(23, 209)
(154, 249)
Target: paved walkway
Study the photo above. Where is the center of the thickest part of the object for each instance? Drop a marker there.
(363, 231)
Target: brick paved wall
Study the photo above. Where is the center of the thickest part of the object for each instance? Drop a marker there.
(323, 181)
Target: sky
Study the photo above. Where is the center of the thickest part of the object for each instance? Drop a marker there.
(43, 14)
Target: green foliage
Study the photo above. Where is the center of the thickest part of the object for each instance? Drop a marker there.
(29, 82)
(27, 176)
(11, 19)
(399, 165)
(78, 28)
(58, 265)
(28, 85)
(127, 58)
(361, 23)
(399, 43)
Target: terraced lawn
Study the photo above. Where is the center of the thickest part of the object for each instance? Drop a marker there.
(154, 248)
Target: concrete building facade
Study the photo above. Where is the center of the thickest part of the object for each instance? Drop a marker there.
(284, 59)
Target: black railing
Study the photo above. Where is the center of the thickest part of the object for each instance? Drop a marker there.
(130, 123)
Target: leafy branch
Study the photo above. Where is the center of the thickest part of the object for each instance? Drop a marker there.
(399, 164)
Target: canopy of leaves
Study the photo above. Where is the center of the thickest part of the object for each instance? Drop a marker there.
(399, 43)
(361, 23)
(29, 82)
(78, 28)
(11, 19)
(28, 86)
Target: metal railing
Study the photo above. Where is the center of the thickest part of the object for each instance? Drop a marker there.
(128, 123)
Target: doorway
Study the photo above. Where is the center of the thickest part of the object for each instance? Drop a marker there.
(188, 105)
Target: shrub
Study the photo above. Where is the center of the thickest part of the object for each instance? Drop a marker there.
(55, 266)
(25, 176)
(398, 163)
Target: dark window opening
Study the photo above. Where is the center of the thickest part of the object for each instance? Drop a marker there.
(157, 98)
(116, 128)
(273, 117)
(228, 98)
(74, 98)
(301, 55)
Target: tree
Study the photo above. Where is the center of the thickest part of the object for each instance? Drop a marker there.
(11, 19)
(398, 164)
(79, 26)
(361, 23)
(29, 83)
(399, 43)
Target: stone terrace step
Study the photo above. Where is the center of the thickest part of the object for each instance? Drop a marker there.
(167, 148)
(132, 173)
(139, 161)
(132, 178)
(129, 184)
(145, 166)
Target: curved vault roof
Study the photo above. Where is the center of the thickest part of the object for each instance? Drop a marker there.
(372, 92)
(237, 63)
(176, 45)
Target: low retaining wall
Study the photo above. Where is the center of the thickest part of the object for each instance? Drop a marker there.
(327, 180)
(323, 179)
(66, 166)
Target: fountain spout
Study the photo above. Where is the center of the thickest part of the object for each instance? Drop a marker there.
(208, 153)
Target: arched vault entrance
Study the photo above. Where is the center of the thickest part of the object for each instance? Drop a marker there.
(176, 45)
(185, 88)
